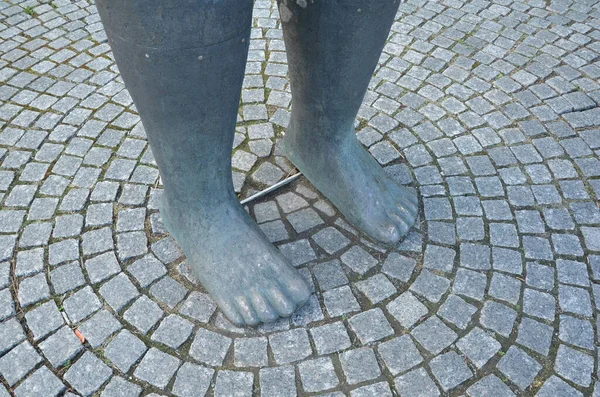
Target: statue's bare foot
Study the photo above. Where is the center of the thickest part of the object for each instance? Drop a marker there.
(355, 183)
(249, 279)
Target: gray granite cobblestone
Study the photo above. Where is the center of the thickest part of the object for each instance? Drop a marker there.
(488, 111)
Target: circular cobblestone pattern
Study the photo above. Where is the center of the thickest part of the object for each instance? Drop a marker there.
(488, 109)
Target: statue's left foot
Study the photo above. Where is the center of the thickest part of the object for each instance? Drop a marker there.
(356, 184)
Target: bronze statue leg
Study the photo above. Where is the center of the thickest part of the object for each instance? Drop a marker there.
(183, 62)
(333, 47)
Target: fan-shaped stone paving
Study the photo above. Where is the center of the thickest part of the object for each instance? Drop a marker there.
(488, 109)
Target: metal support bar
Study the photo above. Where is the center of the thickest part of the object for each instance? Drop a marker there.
(270, 189)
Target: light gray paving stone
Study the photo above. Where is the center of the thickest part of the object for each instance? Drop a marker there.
(66, 278)
(574, 365)
(475, 256)
(491, 385)
(380, 389)
(267, 174)
(370, 325)
(234, 383)
(498, 317)
(33, 290)
(168, 291)
(330, 275)
(519, 367)
(97, 241)
(505, 288)
(298, 252)
(304, 220)
(41, 209)
(146, 270)
(34, 235)
(399, 267)
(535, 335)
(61, 346)
(331, 240)
(118, 291)
(376, 288)
(442, 232)
(470, 283)
(266, 211)
(540, 276)
(11, 334)
(555, 386)
(44, 319)
(478, 346)
(63, 251)
(275, 231)
(359, 260)
(539, 304)
(470, 228)
(131, 244)
(99, 328)
(15, 364)
(329, 338)
(120, 387)
(340, 301)
(210, 347)
(576, 332)
(40, 382)
(124, 350)
(575, 300)
(430, 285)
(131, 219)
(359, 365)
(278, 381)
(591, 236)
(317, 375)
(407, 309)
(399, 354)
(416, 383)
(434, 335)
(167, 250)
(450, 370)
(290, 346)
(5, 277)
(87, 374)
(250, 352)
(143, 314)
(7, 245)
(457, 311)
(198, 306)
(11, 220)
(192, 380)
(572, 272)
(81, 304)
(7, 305)
(585, 213)
(439, 258)
(157, 368)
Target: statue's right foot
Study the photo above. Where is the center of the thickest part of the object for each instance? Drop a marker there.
(249, 279)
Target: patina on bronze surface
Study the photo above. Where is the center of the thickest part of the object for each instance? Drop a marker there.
(183, 64)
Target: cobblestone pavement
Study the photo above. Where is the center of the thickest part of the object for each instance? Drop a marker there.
(489, 109)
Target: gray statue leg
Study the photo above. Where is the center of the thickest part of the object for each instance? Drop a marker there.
(183, 62)
(333, 47)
